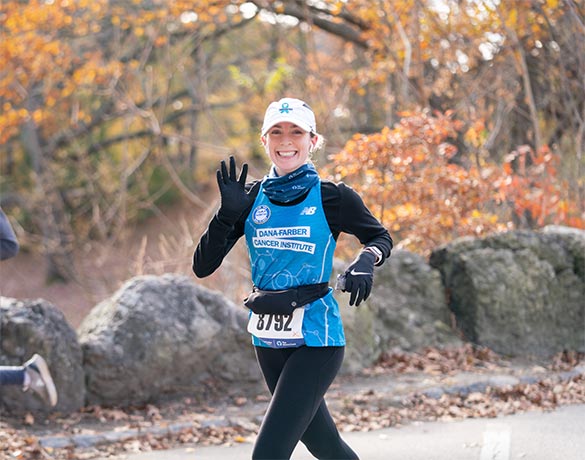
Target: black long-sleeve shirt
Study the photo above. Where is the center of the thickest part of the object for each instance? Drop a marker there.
(344, 210)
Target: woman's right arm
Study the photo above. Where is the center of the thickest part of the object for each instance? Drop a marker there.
(220, 237)
(214, 245)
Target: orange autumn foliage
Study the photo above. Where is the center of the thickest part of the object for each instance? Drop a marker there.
(60, 60)
(406, 176)
(531, 187)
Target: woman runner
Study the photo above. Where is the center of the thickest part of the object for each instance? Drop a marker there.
(291, 220)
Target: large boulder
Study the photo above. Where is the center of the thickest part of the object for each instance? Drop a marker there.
(407, 309)
(163, 335)
(518, 292)
(37, 326)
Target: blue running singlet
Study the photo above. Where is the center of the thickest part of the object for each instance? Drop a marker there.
(291, 246)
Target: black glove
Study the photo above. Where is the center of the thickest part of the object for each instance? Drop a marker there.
(234, 198)
(359, 277)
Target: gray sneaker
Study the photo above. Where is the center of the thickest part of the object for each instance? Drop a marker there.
(41, 381)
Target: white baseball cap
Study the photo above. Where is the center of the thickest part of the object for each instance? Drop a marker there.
(291, 110)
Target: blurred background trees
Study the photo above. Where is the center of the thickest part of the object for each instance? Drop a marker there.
(453, 117)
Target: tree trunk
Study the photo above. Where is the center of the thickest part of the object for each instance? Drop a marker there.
(528, 99)
(49, 211)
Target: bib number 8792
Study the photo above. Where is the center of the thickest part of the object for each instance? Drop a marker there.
(279, 323)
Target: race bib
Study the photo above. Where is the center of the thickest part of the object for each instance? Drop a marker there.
(278, 331)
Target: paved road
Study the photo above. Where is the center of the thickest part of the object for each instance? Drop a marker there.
(558, 435)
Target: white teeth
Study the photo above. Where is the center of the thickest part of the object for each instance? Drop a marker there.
(286, 154)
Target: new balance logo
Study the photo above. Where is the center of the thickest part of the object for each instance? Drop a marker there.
(308, 211)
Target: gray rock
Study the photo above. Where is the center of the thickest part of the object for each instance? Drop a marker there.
(518, 292)
(407, 310)
(37, 326)
(163, 335)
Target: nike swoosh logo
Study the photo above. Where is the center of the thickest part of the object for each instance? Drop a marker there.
(354, 273)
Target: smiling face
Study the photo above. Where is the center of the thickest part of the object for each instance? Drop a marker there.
(288, 146)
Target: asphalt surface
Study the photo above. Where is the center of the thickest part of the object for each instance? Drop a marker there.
(533, 435)
(536, 435)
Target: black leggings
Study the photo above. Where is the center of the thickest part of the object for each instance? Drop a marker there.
(298, 379)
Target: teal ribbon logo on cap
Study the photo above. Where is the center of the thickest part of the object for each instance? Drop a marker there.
(284, 108)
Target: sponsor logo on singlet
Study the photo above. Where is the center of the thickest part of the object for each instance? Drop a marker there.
(308, 210)
(261, 214)
(284, 238)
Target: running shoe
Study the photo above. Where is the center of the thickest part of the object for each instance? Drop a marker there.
(41, 381)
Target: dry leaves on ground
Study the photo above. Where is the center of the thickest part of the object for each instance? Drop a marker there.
(435, 361)
(362, 411)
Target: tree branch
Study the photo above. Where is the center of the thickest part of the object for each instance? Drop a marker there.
(316, 17)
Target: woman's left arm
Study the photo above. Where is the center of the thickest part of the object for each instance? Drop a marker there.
(346, 212)
(356, 219)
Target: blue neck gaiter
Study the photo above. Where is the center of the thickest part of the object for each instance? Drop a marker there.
(284, 189)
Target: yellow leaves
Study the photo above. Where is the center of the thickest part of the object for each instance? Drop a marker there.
(95, 7)
(11, 23)
(161, 40)
(84, 76)
(446, 221)
(511, 19)
(214, 10)
(37, 116)
(476, 133)
(50, 101)
(36, 56)
(95, 28)
(407, 210)
(68, 89)
(52, 48)
(10, 120)
(35, 16)
(336, 8)
(33, 48)
(93, 72)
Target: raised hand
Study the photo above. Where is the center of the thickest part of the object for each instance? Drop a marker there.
(234, 198)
